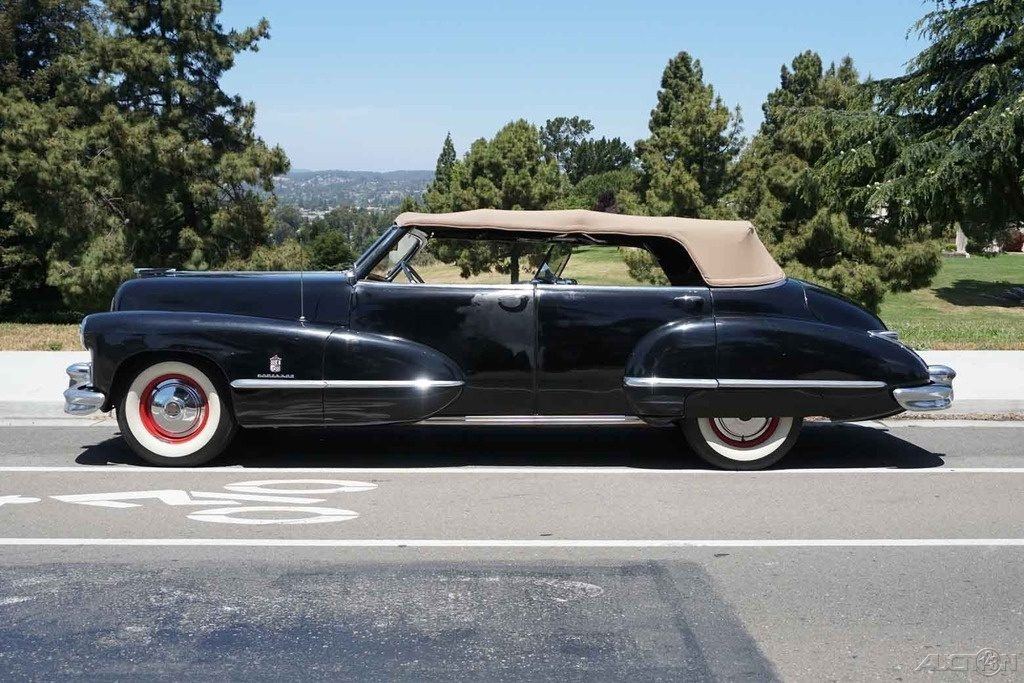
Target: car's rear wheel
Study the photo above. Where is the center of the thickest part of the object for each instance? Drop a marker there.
(741, 443)
(173, 414)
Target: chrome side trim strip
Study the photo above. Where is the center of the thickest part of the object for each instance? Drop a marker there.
(390, 383)
(798, 384)
(343, 383)
(533, 420)
(671, 382)
(277, 384)
(750, 383)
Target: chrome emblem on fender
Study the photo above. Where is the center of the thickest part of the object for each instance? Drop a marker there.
(275, 364)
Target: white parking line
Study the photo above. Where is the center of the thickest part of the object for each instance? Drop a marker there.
(503, 469)
(524, 543)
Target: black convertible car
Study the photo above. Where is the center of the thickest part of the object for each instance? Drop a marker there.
(727, 348)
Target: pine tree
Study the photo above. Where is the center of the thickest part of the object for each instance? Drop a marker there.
(694, 138)
(445, 162)
(179, 177)
(596, 156)
(780, 190)
(945, 145)
(510, 171)
(438, 195)
(52, 169)
(561, 136)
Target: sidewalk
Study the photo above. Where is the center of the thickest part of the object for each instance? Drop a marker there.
(987, 383)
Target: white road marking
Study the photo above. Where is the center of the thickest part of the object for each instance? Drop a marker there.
(229, 515)
(174, 497)
(333, 486)
(56, 422)
(501, 469)
(525, 543)
(896, 424)
(18, 500)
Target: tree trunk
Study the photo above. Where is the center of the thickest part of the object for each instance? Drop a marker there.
(513, 262)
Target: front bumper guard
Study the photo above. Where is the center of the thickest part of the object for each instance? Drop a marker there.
(936, 395)
(81, 398)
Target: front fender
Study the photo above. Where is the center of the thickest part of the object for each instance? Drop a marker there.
(240, 346)
(283, 372)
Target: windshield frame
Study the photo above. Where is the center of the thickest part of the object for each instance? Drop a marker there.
(377, 251)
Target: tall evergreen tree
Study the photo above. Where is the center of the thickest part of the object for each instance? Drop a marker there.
(438, 195)
(694, 138)
(136, 156)
(510, 171)
(945, 144)
(561, 136)
(781, 191)
(52, 168)
(596, 156)
(445, 162)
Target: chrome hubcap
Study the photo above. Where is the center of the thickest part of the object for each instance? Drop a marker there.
(176, 407)
(742, 429)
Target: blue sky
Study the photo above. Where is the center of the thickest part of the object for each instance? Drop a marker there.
(376, 85)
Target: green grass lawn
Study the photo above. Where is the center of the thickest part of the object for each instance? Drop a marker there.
(963, 308)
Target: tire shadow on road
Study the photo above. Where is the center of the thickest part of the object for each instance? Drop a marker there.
(820, 445)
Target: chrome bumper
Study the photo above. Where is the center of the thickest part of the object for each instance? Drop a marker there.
(81, 398)
(936, 395)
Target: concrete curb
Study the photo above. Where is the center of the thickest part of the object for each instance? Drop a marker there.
(987, 383)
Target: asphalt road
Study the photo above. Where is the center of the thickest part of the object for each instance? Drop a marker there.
(514, 554)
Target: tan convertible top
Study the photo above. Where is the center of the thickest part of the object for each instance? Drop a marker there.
(727, 253)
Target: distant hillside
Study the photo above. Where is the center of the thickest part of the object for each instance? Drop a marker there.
(325, 189)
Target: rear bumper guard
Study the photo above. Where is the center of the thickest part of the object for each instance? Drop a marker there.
(936, 395)
(81, 398)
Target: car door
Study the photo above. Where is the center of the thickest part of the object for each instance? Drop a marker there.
(587, 332)
(489, 331)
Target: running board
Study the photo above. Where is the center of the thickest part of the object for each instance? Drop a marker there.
(534, 420)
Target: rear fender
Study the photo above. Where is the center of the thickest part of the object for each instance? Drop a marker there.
(782, 348)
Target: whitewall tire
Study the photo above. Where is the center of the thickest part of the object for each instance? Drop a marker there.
(742, 443)
(172, 413)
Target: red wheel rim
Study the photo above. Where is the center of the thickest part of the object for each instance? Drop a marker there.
(766, 433)
(151, 425)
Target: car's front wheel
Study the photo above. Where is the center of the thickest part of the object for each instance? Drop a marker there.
(741, 443)
(173, 414)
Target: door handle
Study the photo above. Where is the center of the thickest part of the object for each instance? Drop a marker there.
(689, 303)
(513, 304)
(512, 301)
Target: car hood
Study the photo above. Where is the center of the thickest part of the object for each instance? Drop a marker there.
(285, 296)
